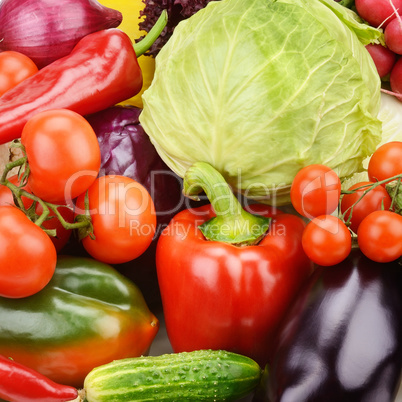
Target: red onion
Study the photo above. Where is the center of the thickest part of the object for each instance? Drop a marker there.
(46, 30)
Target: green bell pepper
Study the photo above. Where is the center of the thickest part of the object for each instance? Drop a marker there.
(88, 315)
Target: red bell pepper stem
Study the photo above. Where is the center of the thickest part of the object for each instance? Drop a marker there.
(232, 223)
(22, 384)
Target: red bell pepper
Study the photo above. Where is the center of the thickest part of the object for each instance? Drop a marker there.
(225, 280)
(101, 70)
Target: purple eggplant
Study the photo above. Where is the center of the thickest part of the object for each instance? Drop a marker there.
(342, 338)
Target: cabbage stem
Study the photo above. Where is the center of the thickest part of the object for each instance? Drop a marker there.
(232, 223)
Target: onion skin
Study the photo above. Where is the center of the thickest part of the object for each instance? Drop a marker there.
(46, 30)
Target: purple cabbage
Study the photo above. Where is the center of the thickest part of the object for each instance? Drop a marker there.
(126, 150)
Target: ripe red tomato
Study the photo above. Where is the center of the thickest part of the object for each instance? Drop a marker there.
(380, 236)
(315, 191)
(63, 155)
(27, 255)
(326, 240)
(62, 234)
(386, 161)
(123, 218)
(374, 200)
(14, 68)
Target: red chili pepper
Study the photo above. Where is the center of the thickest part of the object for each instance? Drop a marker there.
(225, 280)
(19, 383)
(101, 70)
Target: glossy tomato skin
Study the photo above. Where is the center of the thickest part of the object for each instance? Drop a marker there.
(327, 240)
(340, 340)
(63, 155)
(380, 236)
(28, 257)
(123, 218)
(386, 161)
(315, 191)
(15, 67)
(219, 296)
(374, 200)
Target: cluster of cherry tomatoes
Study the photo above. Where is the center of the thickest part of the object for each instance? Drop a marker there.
(369, 211)
(59, 190)
(385, 14)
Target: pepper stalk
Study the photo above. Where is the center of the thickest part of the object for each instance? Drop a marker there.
(232, 224)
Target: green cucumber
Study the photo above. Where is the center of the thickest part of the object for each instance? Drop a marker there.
(203, 375)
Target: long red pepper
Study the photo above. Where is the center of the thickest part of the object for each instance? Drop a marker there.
(19, 383)
(101, 70)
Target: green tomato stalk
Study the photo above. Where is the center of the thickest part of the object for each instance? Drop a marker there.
(81, 221)
(393, 185)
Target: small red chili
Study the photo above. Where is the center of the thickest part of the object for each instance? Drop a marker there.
(22, 384)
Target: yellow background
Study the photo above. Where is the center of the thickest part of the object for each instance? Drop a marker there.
(130, 10)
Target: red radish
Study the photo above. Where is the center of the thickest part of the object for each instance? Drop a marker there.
(393, 35)
(383, 58)
(395, 78)
(378, 12)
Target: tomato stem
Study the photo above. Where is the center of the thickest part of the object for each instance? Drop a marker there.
(232, 223)
(18, 192)
(393, 188)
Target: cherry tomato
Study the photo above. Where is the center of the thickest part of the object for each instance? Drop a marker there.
(123, 218)
(63, 155)
(15, 67)
(326, 240)
(386, 161)
(380, 236)
(27, 255)
(62, 234)
(315, 191)
(374, 200)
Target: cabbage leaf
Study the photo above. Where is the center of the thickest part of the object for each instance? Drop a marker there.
(260, 89)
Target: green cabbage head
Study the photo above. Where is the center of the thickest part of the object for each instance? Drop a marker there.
(261, 88)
